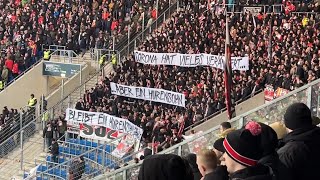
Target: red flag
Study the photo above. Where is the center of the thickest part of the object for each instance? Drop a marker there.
(228, 72)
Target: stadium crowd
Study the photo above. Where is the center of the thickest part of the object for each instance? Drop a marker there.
(28, 26)
(256, 151)
(295, 61)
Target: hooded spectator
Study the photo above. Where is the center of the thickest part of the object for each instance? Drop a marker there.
(243, 152)
(269, 145)
(192, 159)
(165, 167)
(301, 144)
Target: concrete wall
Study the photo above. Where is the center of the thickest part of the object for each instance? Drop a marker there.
(69, 87)
(241, 108)
(17, 94)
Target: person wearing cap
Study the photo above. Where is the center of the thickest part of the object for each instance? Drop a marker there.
(242, 153)
(300, 153)
(269, 144)
(165, 167)
(207, 162)
(219, 150)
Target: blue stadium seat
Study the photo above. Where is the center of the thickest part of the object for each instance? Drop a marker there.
(60, 160)
(56, 172)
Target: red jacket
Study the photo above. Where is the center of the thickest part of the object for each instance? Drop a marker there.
(9, 64)
(15, 69)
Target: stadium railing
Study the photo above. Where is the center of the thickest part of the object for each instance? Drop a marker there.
(220, 111)
(136, 38)
(268, 113)
(97, 160)
(35, 125)
(125, 41)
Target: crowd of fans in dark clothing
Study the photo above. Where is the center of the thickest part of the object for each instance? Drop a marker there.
(294, 62)
(10, 122)
(28, 26)
(256, 152)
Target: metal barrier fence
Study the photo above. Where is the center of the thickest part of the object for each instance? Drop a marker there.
(96, 160)
(136, 38)
(267, 113)
(219, 112)
(133, 34)
(36, 124)
(68, 56)
(53, 47)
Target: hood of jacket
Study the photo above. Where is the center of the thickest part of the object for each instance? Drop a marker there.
(259, 172)
(225, 132)
(308, 135)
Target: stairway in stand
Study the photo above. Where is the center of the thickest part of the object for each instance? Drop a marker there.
(32, 149)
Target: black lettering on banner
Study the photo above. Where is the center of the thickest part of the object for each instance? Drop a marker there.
(167, 59)
(101, 119)
(215, 61)
(140, 92)
(162, 96)
(100, 131)
(157, 95)
(151, 94)
(114, 124)
(71, 115)
(123, 90)
(145, 58)
(167, 98)
(235, 63)
(185, 60)
(88, 117)
(79, 116)
(198, 59)
(87, 130)
(120, 126)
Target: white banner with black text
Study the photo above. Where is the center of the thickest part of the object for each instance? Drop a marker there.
(190, 60)
(149, 94)
(78, 117)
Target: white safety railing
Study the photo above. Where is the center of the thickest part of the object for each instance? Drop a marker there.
(267, 113)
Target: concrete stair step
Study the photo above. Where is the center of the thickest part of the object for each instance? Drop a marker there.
(10, 166)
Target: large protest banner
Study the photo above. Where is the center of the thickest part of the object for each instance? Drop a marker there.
(150, 94)
(190, 60)
(77, 117)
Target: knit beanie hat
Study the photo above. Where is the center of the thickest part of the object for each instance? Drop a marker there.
(269, 139)
(218, 145)
(243, 145)
(298, 115)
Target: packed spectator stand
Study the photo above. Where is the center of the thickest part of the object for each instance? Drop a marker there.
(204, 86)
(294, 62)
(31, 26)
(106, 28)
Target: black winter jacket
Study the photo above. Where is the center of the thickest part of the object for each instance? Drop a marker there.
(47, 132)
(300, 154)
(259, 172)
(55, 149)
(220, 173)
(279, 169)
